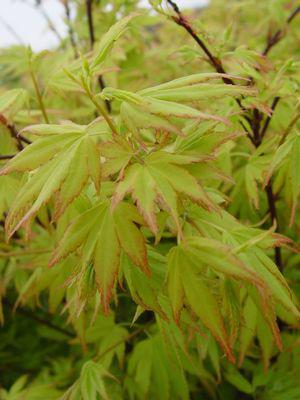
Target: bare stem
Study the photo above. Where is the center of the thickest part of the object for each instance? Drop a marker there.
(6, 157)
(39, 96)
(121, 341)
(268, 119)
(89, 13)
(46, 322)
(104, 113)
(70, 28)
(14, 133)
(278, 35)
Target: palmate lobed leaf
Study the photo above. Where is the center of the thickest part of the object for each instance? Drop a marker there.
(117, 156)
(39, 152)
(175, 161)
(61, 163)
(158, 181)
(149, 363)
(101, 234)
(183, 280)
(191, 259)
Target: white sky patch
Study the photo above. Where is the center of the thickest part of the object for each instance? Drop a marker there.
(30, 26)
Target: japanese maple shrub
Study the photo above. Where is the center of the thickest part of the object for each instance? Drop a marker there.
(149, 204)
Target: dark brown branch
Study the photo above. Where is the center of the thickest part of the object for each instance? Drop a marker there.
(181, 20)
(121, 341)
(278, 35)
(274, 218)
(6, 157)
(14, 133)
(70, 28)
(46, 322)
(268, 119)
(89, 13)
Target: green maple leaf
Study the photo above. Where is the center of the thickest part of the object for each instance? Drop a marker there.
(158, 181)
(61, 161)
(99, 235)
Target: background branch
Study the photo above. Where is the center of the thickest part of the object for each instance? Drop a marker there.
(278, 35)
(89, 13)
(255, 121)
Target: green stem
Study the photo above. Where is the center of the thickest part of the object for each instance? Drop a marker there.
(103, 112)
(38, 94)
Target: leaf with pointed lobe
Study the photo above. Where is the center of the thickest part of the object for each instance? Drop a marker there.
(12, 101)
(135, 118)
(202, 301)
(199, 92)
(186, 81)
(220, 258)
(156, 181)
(276, 284)
(234, 377)
(38, 153)
(85, 163)
(175, 282)
(172, 109)
(52, 129)
(109, 38)
(143, 288)
(248, 329)
(99, 234)
(117, 156)
(130, 237)
(160, 108)
(106, 258)
(62, 166)
(50, 183)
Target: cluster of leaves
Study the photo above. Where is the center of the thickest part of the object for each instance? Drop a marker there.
(149, 205)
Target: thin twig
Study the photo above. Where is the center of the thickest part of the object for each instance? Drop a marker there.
(121, 341)
(38, 5)
(70, 27)
(289, 127)
(89, 12)
(181, 20)
(103, 112)
(38, 94)
(51, 25)
(6, 157)
(11, 30)
(268, 119)
(274, 218)
(46, 322)
(278, 35)
(14, 133)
